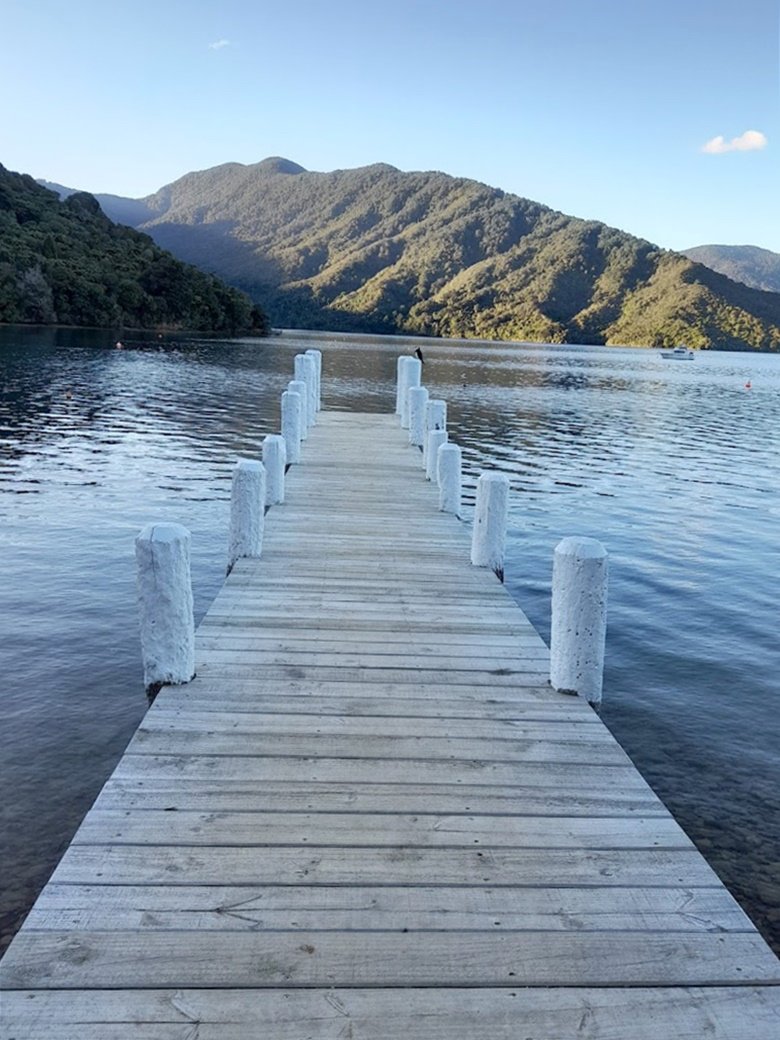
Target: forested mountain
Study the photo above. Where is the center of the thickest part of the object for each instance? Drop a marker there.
(65, 262)
(758, 268)
(376, 249)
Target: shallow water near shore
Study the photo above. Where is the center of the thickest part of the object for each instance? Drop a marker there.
(674, 466)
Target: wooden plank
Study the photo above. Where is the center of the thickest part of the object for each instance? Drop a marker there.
(507, 1013)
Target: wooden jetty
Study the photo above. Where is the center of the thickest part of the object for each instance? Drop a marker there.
(369, 816)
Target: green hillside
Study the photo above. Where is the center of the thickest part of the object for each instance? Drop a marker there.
(759, 268)
(375, 249)
(65, 262)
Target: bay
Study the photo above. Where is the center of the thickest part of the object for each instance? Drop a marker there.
(674, 466)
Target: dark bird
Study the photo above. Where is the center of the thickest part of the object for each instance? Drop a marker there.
(418, 354)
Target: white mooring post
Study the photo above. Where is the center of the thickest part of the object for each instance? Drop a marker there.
(435, 419)
(317, 355)
(412, 377)
(297, 386)
(418, 399)
(449, 468)
(433, 441)
(274, 461)
(162, 553)
(306, 372)
(399, 383)
(247, 511)
(489, 534)
(579, 618)
(291, 425)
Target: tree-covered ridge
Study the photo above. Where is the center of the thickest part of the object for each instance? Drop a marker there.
(756, 267)
(375, 249)
(65, 262)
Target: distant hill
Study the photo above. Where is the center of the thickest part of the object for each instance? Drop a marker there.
(376, 249)
(758, 268)
(64, 262)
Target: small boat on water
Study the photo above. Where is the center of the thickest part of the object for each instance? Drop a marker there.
(679, 354)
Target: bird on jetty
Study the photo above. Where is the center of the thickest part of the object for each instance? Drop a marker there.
(418, 354)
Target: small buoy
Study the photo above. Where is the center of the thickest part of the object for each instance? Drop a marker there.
(120, 345)
(748, 385)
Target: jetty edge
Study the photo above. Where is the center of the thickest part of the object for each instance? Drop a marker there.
(369, 814)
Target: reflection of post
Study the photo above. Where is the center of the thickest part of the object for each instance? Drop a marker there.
(162, 553)
(247, 511)
(418, 399)
(449, 468)
(579, 618)
(274, 461)
(433, 441)
(291, 425)
(435, 419)
(489, 534)
(412, 376)
(297, 386)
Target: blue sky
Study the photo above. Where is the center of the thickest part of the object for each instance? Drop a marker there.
(599, 108)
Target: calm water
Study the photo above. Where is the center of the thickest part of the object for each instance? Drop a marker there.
(674, 466)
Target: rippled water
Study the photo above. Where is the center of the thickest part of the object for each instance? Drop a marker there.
(674, 466)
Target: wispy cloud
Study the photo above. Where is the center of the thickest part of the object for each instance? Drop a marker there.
(217, 45)
(750, 141)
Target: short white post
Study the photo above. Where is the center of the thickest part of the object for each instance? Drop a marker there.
(418, 399)
(162, 553)
(274, 461)
(247, 511)
(306, 372)
(399, 383)
(291, 425)
(297, 386)
(412, 376)
(579, 618)
(317, 355)
(433, 440)
(489, 534)
(435, 419)
(449, 467)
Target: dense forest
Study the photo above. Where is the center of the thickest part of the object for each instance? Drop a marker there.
(759, 268)
(375, 249)
(64, 262)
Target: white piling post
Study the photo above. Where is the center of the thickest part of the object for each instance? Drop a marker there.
(579, 618)
(162, 553)
(306, 372)
(291, 425)
(489, 534)
(317, 355)
(247, 511)
(449, 470)
(274, 461)
(435, 419)
(297, 386)
(399, 383)
(412, 376)
(418, 399)
(433, 440)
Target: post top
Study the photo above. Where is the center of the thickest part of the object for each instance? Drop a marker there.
(164, 532)
(250, 465)
(584, 548)
(273, 438)
(450, 446)
(420, 390)
(493, 477)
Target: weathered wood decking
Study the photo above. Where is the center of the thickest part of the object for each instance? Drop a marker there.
(370, 817)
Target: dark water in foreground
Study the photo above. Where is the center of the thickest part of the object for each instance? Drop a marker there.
(673, 465)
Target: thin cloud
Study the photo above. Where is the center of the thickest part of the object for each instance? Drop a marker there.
(217, 45)
(750, 141)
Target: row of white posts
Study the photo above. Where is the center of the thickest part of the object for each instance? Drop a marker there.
(163, 550)
(579, 585)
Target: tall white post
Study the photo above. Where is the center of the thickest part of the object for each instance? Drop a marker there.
(306, 372)
(435, 419)
(317, 355)
(449, 468)
(412, 376)
(489, 534)
(162, 553)
(433, 441)
(247, 511)
(579, 618)
(274, 461)
(418, 399)
(399, 382)
(291, 425)
(297, 386)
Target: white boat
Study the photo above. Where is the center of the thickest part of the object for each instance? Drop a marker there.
(679, 354)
